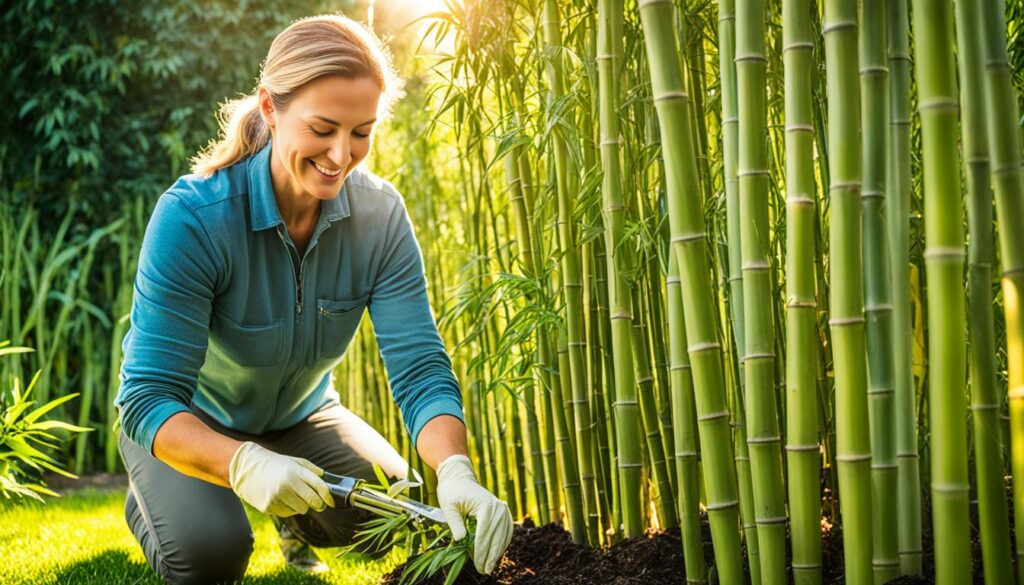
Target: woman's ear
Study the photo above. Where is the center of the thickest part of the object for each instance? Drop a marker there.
(266, 106)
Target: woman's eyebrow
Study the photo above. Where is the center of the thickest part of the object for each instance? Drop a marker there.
(330, 121)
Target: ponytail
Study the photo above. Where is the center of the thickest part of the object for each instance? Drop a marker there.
(244, 132)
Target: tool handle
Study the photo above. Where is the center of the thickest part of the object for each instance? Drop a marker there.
(341, 487)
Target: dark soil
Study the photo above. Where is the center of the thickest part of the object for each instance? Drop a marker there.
(546, 555)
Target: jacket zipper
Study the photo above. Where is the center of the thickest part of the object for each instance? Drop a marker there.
(298, 287)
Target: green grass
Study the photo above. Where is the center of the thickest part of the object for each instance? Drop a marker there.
(82, 537)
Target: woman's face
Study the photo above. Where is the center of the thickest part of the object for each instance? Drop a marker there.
(322, 135)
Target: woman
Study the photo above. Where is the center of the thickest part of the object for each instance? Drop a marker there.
(253, 275)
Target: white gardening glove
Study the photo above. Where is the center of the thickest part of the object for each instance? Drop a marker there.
(277, 484)
(459, 494)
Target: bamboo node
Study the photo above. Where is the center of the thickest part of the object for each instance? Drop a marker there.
(757, 356)
(797, 304)
(899, 56)
(938, 104)
(755, 266)
(1005, 170)
(731, 120)
(854, 458)
(630, 465)
(763, 440)
(614, 208)
(799, 46)
(642, 3)
(845, 322)
(756, 57)
(727, 18)
(977, 407)
(801, 448)
(906, 455)
(683, 238)
(772, 520)
(644, 380)
(714, 507)
(852, 186)
(799, 128)
(838, 26)
(881, 391)
(874, 69)
(1011, 272)
(624, 403)
(620, 315)
(671, 95)
(672, 280)
(806, 566)
(944, 253)
(883, 466)
(713, 416)
(685, 454)
(753, 172)
(699, 347)
(879, 308)
(950, 488)
(577, 344)
(680, 367)
(872, 194)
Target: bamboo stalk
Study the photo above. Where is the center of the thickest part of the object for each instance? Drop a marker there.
(847, 293)
(686, 223)
(802, 445)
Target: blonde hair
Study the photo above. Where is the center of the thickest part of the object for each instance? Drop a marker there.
(308, 49)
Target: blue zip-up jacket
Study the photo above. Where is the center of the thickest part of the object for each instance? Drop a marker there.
(226, 314)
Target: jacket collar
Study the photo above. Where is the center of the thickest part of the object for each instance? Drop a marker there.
(263, 205)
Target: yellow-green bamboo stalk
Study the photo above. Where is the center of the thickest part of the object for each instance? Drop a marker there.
(572, 285)
(853, 444)
(763, 438)
(1008, 179)
(877, 295)
(897, 194)
(802, 447)
(944, 259)
(688, 238)
(627, 415)
(987, 428)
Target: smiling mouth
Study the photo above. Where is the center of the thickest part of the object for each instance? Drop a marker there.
(325, 170)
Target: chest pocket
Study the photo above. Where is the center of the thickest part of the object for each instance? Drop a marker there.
(336, 324)
(249, 345)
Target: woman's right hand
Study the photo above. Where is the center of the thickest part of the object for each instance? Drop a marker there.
(277, 484)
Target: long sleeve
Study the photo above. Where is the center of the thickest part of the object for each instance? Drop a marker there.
(418, 366)
(170, 319)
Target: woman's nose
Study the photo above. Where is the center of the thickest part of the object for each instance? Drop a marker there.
(340, 154)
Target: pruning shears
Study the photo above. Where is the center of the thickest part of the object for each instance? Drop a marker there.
(351, 492)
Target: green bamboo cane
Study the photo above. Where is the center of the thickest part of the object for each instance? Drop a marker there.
(730, 151)
(664, 500)
(847, 293)
(627, 415)
(877, 291)
(572, 286)
(684, 421)
(1008, 179)
(802, 446)
(688, 238)
(944, 259)
(763, 438)
(987, 428)
(897, 194)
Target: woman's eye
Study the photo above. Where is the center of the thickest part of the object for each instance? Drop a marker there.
(328, 133)
(359, 135)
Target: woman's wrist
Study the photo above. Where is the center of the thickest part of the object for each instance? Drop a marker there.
(439, 439)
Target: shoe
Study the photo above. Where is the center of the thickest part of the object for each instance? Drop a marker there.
(297, 553)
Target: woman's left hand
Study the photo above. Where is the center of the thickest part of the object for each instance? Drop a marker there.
(459, 493)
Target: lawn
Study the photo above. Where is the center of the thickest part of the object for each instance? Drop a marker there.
(82, 537)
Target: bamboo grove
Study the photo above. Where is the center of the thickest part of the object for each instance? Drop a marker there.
(748, 268)
(733, 260)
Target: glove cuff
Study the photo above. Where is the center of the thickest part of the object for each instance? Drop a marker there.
(234, 467)
(455, 466)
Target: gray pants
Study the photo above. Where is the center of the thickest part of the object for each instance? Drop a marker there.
(192, 531)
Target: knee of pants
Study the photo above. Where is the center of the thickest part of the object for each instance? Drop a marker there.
(201, 553)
